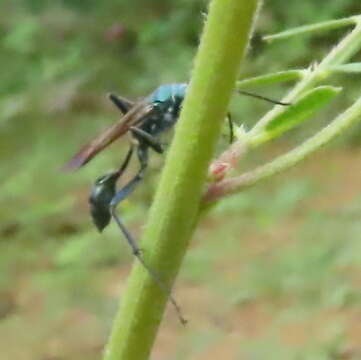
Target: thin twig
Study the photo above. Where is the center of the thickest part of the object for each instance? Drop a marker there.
(283, 162)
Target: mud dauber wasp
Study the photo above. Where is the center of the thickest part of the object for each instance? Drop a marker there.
(145, 120)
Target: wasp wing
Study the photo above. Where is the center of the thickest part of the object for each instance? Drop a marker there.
(133, 117)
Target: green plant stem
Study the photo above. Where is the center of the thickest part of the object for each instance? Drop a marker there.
(175, 209)
(284, 162)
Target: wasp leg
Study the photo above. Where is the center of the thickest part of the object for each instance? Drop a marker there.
(121, 195)
(154, 275)
(147, 139)
(125, 192)
(126, 160)
(121, 103)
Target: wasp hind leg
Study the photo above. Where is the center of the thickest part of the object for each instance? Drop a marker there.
(121, 195)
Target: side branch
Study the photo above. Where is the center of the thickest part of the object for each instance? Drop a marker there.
(316, 73)
(236, 184)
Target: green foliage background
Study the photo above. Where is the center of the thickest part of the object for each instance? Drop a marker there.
(58, 60)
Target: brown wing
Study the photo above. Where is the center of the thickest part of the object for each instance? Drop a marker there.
(92, 148)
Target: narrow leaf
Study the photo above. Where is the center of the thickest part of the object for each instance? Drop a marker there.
(278, 77)
(294, 115)
(347, 68)
(322, 26)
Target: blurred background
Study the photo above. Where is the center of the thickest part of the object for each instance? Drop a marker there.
(272, 273)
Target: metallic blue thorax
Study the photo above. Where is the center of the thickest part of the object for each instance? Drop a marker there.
(168, 92)
(168, 101)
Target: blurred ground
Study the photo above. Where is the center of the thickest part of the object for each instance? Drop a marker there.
(280, 282)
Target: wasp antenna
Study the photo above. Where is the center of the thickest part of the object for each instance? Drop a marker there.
(276, 102)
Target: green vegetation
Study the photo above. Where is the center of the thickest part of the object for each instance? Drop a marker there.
(273, 271)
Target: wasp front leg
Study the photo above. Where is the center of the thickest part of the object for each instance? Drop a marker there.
(123, 193)
(147, 139)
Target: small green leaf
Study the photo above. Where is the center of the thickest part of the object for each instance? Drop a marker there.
(324, 26)
(347, 68)
(281, 76)
(295, 114)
